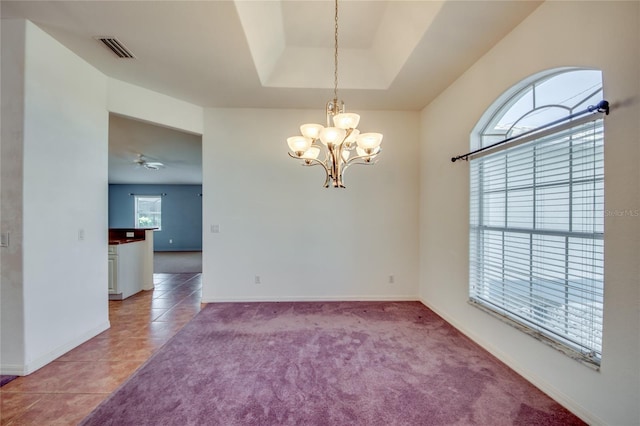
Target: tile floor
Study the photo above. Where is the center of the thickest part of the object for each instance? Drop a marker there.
(66, 390)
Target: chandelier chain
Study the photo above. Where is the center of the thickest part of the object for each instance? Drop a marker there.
(335, 57)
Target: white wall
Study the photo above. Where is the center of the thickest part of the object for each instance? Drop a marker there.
(146, 105)
(11, 295)
(601, 35)
(65, 125)
(304, 241)
(55, 112)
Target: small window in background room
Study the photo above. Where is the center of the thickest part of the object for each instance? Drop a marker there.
(537, 214)
(148, 211)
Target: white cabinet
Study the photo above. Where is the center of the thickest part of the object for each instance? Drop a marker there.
(126, 269)
(113, 274)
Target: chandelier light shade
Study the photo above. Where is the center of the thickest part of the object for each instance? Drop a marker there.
(339, 142)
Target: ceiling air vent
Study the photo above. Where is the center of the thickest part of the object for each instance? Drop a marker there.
(116, 47)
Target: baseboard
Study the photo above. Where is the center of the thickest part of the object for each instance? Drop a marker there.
(180, 250)
(12, 370)
(534, 379)
(367, 298)
(26, 369)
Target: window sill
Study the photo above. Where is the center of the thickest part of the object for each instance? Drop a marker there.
(570, 352)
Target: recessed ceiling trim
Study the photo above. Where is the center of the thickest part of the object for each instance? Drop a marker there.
(115, 46)
(285, 56)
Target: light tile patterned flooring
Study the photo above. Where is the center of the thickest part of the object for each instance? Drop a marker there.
(66, 390)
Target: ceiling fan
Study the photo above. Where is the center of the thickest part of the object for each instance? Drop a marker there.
(149, 165)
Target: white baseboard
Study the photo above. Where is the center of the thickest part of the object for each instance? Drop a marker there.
(367, 298)
(534, 379)
(26, 369)
(12, 369)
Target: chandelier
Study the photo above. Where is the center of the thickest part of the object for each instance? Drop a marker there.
(342, 144)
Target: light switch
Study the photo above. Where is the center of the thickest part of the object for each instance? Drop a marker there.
(215, 229)
(4, 239)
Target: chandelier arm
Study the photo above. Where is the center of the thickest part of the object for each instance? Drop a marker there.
(346, 135)
(323, 149)
(352, 159)
(336, 165)
(308, 162)
(327, 179)
(324, 163)
(363, 163)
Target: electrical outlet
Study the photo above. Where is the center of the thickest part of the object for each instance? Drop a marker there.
(392, 279)
(80, 234)
(4, 239)
(215, 229)
(256, 279)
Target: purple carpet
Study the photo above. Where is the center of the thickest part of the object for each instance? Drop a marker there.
(6, 379)
(341, 363)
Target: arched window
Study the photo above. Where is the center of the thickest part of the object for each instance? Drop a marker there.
(537, 213)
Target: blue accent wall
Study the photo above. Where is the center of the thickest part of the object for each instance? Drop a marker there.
(181, 214)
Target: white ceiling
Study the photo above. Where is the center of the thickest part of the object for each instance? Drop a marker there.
(396, 55)
(179, 152)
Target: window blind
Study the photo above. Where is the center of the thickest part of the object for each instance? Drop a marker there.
(536, 236)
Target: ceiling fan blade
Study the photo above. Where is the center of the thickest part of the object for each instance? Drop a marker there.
(153, 166)
(150, 165)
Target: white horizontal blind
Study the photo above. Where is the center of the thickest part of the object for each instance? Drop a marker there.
(536, 236)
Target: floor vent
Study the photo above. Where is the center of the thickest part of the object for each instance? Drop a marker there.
(116, 47)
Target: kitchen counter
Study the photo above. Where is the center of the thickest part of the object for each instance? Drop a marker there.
(125, 237)
(124, 241)
(126, 268)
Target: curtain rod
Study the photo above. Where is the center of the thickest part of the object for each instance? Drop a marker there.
(601, 107)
